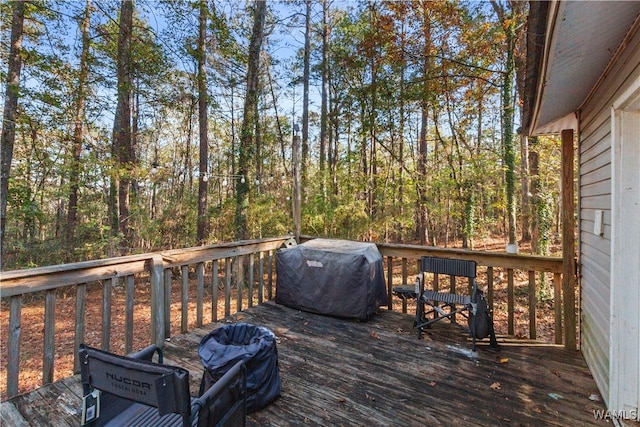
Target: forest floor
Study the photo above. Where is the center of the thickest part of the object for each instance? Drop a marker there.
(32, 320)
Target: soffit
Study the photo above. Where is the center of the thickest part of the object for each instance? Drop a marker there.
(581, 38)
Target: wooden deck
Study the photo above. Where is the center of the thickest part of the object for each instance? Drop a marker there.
(377, 373)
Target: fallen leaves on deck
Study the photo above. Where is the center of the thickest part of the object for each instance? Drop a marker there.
(280, 331)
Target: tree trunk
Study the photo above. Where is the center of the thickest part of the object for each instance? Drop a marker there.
(296, 206)
(135, 123)
(258, 147)
(398, 226)
(186, 183)
(122, 131)
(247, 146)
(10, 113)
(283, 156)
(305, 90)
(509, 27)
(507, 129)
(202, 115)
(324, 69)
(333, 135)
(114, 183)
(372, 181)
(422, 142)
(422, 177)
(78, 134)
(520, 9)
(524, 182)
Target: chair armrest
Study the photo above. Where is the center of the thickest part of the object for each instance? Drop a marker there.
(222, 384)
(147, 353)
(405, 291)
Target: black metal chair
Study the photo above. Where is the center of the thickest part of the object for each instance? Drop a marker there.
(442, 305)
(134, 390)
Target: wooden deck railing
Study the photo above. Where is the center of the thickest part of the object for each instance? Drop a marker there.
(491, 265)
(154, 271)
(243, 271)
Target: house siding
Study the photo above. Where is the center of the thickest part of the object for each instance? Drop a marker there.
(594, 191)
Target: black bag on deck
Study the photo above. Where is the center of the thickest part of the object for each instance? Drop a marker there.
(255, 345)
(481, 323)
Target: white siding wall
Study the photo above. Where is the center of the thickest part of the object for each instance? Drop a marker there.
(595, 194)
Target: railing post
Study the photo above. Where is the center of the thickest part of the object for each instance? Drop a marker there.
(166, 297)
(405, 271)
(532, 305)
(568, 241)
(15, 327)
(128, 328)
(510, 303)
(390, 282)
(270, 276)
(81, 304)
(557, 307)
(452, 289)
(227, 287)
(260, 277)
(214, 291)
(49, 336)
(107, 297)
(200, 283)
(436, 288)
(156, 273)
(239, 282)
(251, 279)
(184, 300)
(490, 288)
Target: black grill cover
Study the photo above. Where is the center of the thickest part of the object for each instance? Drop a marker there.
(223, 347)
(335, 277)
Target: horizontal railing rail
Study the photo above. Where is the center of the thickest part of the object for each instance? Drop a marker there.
(158, 272)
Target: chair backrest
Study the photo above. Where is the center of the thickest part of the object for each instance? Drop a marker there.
(452, 267)
(125, 380)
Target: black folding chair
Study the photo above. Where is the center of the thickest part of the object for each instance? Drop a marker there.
(133, 390)
(443, 305)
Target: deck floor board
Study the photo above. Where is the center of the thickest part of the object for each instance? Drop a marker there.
(341, 372)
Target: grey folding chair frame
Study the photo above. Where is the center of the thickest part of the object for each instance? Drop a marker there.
(134, 390)
(443, 305)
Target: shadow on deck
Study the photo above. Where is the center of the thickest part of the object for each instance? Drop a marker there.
(344, 372)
